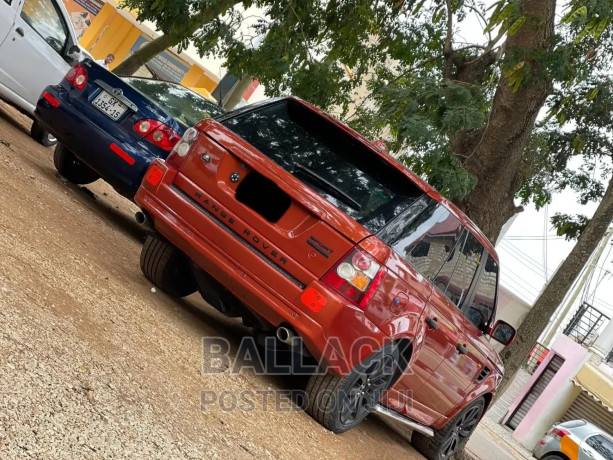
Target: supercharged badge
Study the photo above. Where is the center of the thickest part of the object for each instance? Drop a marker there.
(319, 247)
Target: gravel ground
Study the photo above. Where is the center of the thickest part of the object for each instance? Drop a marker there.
(94, 365)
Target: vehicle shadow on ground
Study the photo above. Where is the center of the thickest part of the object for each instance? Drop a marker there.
(210, 322)
(120, 219)
(11, 120)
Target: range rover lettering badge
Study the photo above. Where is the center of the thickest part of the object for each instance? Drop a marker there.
(235, 177)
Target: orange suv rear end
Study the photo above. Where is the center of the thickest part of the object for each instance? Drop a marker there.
(281, 215)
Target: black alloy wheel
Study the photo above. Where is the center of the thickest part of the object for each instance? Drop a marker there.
(367, 389)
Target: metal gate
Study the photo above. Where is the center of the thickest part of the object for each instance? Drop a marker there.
(537, 389)
(587, 408)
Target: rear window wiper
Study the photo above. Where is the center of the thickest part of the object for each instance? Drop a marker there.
(326, 186)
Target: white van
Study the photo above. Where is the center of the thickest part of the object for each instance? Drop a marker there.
(38, 45)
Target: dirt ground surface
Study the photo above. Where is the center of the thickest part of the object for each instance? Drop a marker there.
(94, 364)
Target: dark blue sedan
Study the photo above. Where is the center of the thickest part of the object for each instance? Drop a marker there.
(112, 127)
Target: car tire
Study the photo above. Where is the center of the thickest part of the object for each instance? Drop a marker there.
(553, 457)
(70, 167)
(341, 403)
(449, 439)
(167, 267)
(41, 135)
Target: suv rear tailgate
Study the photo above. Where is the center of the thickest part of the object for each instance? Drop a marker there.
(300, 241)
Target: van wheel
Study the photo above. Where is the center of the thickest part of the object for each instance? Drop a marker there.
(449, 439)
(69, 166)
(341, 403)
(166, 267)
(41, 135)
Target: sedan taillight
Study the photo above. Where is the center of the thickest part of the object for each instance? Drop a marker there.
(356, 277)
(77, 76)
(559, 433)
(157, 133)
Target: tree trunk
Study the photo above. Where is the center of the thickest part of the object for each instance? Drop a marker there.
(494, 153)
(156, 46)
(545, 306)
(145, 54)
(232, 99)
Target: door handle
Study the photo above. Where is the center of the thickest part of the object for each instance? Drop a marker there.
(19, 30)
(432, 323)
(461, 349)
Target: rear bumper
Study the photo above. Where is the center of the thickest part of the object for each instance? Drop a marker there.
(549, 445)
(339, 335)
(91, 144)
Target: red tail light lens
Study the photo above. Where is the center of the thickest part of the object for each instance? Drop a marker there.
(356, 277)
(181, 149)
(559, 432)
(154, 175)
(157, 133)
(77, 76)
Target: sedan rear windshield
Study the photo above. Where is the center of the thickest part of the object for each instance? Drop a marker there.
(184, 105)
(328, 159)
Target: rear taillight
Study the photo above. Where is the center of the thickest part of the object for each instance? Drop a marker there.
(559, 432)
(182, 148)
(356, 277)
(77, 76)
(157, 133)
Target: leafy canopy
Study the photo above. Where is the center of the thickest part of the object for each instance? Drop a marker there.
(425, 73)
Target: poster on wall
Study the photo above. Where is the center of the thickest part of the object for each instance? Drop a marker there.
(82, 13)
(164, 65)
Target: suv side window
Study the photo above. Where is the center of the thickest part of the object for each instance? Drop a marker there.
(45, 18)
(456, 276)
(424, 235)
(601, 445)
(480, 309)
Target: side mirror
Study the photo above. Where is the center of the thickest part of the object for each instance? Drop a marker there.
(73, 55)
(74, 52)
(503, 332)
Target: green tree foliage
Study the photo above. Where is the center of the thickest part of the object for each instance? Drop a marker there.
(439, 100)
(430, 93)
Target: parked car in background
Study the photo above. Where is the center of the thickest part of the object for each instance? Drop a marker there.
(113, 127)
(575, 440)
(283, 216)
(37, 47)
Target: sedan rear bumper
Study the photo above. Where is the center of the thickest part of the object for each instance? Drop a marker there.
(121, 165)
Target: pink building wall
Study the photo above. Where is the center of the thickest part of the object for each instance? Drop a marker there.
(557, 397)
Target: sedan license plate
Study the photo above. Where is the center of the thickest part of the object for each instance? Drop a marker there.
(109, 105)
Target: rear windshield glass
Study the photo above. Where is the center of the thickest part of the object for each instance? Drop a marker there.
(330, 161)
(183, 104)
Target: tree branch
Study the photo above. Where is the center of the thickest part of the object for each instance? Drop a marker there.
(304, 39)
(448, 48)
